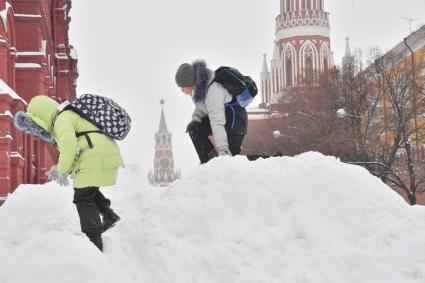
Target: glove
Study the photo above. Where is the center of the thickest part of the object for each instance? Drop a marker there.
(224, 151)
(54, 175)
(63, 180)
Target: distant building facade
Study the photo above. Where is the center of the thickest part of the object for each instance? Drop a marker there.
(163, 172)
(35, 59)
(405, 65)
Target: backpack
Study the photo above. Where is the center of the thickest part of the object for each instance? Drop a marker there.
(104, 113)
(242, 88)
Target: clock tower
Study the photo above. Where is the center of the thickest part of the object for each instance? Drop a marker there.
(163, 173)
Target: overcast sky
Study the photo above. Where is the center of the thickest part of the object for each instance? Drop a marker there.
(130, 49)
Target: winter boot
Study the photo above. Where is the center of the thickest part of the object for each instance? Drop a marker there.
(110, 218)
(91, 225)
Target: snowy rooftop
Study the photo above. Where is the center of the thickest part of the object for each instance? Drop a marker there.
(308, 219)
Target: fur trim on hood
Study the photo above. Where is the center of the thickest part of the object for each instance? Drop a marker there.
(24, 123)
(203, 76)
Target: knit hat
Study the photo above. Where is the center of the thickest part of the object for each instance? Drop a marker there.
(186, 75)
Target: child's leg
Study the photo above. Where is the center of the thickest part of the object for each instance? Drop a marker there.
(199, 134)
(109, 217)
(91, 225)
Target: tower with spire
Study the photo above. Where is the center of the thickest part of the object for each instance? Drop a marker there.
(348, 59)
(301, 48)
(163, 173)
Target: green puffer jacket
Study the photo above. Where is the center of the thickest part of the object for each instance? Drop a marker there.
(97, 166)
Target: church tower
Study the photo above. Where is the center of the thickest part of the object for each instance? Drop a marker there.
(348, 59)
(163, 173)
(301, 48)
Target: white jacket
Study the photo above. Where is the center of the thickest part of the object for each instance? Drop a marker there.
(213, 107)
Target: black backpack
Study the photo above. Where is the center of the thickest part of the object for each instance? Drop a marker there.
(242, 88)
(104, 113)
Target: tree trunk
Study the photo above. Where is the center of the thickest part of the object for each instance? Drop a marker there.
(412, 198)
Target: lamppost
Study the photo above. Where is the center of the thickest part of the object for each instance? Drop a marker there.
(277, 134)
(341, 113)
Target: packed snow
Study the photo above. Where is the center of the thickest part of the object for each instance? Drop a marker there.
(309, 218)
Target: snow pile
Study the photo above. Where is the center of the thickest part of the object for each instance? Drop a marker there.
(304, 219)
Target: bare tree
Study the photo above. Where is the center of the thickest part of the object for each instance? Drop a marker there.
(403, 104)
(386, 106)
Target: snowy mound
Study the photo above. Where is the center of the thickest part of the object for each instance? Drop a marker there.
(304, 219)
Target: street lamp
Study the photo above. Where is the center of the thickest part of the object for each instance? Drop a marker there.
(277, 134)
(341, 113)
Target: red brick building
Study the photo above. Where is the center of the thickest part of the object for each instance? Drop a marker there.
(35, 59)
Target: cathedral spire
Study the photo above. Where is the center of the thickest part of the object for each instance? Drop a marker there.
(347, 60)
(162, 122)
(265, 65)
(347, 47)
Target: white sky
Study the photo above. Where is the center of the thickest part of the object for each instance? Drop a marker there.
(129, 50)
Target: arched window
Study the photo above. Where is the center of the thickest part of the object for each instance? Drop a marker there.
(289, 5)
(289, 67)
(325, 65)
(289, 81)
(309, 69)
(306, 4)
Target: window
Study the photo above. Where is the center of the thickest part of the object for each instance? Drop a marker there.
(422, 78)
(306, 4)
(319, 5)
(289, 82)
(309, 69)
(289, 5)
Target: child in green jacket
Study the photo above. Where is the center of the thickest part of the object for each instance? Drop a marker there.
(90, 167)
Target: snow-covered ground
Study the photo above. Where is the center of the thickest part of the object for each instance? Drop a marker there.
(305, 219)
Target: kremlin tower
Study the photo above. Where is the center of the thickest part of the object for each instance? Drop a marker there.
(301, 53)
(163, 173)
(301, 48)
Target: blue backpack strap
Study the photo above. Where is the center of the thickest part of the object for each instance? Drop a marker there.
(231, 107)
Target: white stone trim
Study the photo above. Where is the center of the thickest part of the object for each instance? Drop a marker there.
(303, 31)
(15, 154)
(30, 53)
(27, 16)
(258, 117)
(27, 66)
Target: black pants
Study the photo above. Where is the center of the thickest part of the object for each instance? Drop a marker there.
(199, 133)
(92, 195)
